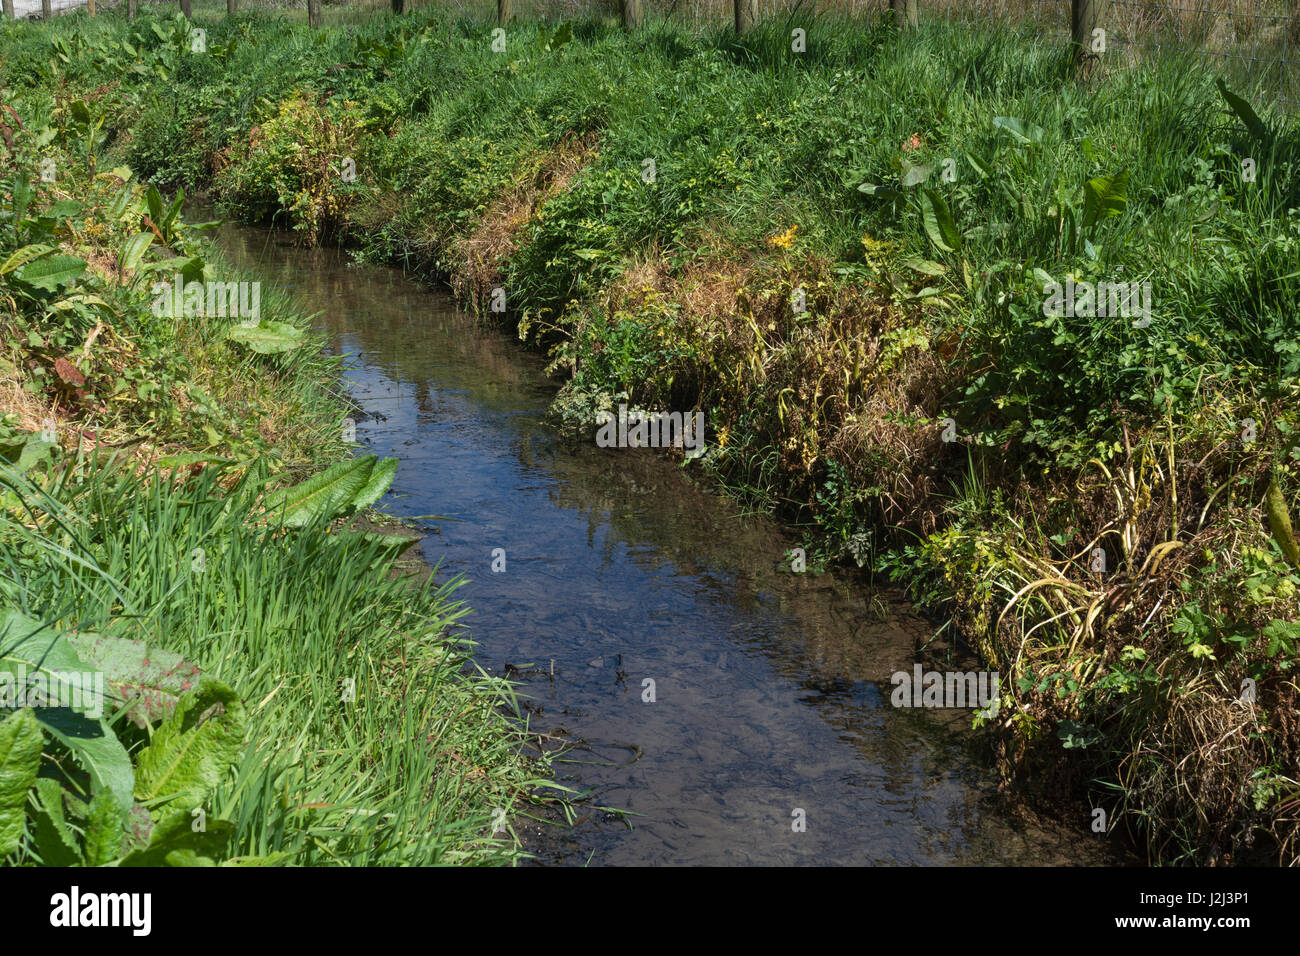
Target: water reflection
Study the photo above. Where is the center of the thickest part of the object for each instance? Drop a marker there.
(770, 689)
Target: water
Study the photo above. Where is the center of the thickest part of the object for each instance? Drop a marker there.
(771, 689)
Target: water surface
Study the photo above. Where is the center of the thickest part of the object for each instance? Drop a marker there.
(771, 689)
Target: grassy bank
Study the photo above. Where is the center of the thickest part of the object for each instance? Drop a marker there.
(842, 256)
(178, 513)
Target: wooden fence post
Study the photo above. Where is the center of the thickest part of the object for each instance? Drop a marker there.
(907, 13)
(746, 15)
(1086, 16)
(185, 9)
(47, 9)
(632, 13)
(90, 7)
(505, 10)
(132, 8)
(232, 7)
(399, 6)
(9, 9)
(313, 14)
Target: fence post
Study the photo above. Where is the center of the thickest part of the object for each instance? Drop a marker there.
(231, 7)
(132, 7)
(313, 14)
(632, 12)
(399, 7)
(746, 15)
(47, 9)
(9, 9)
(185, 9)
(1086, 16)
(505, 10)
(90, 7)
(907, 13)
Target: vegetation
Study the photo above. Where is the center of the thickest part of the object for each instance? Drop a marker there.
(843, 256)
(279, 688)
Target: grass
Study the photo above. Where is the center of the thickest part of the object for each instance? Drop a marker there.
(841, 255)
(369, 742)
(136, 449)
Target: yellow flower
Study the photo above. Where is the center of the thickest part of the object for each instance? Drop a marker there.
(785, 240)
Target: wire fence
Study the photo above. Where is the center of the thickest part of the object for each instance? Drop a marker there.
(1252, 41)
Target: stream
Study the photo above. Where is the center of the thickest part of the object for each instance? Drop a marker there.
(771, 738)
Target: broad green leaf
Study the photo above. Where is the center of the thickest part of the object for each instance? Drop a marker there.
(400, 543)
(938, 222)
(55, 841)
(51, 273)
(186, 458)
(981, 166)
(174, 842)
(24, 255)
(884, 192)
(133, 251)
(322, 496)
(267, 338)
(20, 759)
(95, 747)
(123, 173)
(1104, 197)
(925, 266)
(28, 647)
(65, 209)
(1244, 112)
(380, 480)
(104, 830)
(1020, 131)
(562, 36)
(172, 212)
(1279, 522)
(192, 749)
(913, 175)
(148, 680)
(153, 199)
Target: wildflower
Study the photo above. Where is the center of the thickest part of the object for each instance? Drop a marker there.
(785, 240)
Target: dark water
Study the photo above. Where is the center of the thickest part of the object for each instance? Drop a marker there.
(771, 689)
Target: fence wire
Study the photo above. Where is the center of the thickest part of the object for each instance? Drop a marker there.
(1255, 42)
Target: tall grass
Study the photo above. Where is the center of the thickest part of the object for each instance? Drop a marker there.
(372, 738)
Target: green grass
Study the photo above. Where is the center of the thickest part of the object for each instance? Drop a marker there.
(526, 170)
(408, 772)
